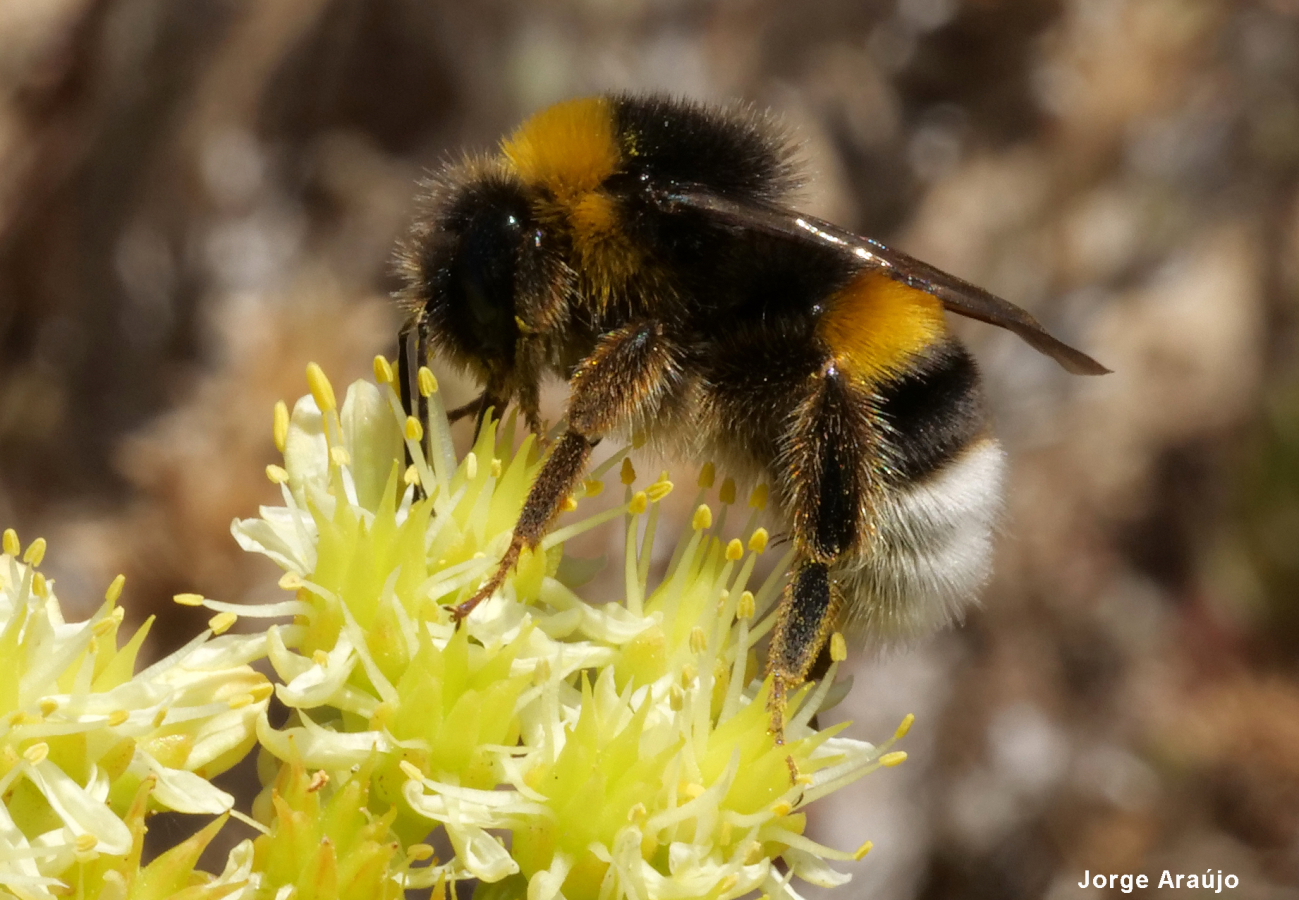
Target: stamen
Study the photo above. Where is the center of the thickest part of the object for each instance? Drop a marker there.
(321, 389)
(628, 473)
(383, 370)
(428, 383)
(11, 545)
(703, 518)
(727, 493)
(414, 430)
(838, 647)
(35, 552)
(280, 425)
(707, 475)
(114, 591)
(905, 727)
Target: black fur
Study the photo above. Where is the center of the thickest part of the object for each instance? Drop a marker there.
(933, 412)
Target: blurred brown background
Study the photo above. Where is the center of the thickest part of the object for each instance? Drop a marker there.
(198, 197)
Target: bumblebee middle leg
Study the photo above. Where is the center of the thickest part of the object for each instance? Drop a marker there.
(827, 454)
(622, 381)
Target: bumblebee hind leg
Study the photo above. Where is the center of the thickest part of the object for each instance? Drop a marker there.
(827, 456)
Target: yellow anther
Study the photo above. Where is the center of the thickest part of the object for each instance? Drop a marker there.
(676, 697)
(419, 852)
(804, 779)
(692, 789)
(321, 389)
(410, 476)
(49, 706)
(905, 727)
(496, 471)
(86, 842)
(414, 430)
(758, 540)
(727, 493)
(698, 640)
(290, 581)
(239, 701)
(895, 758)
(188, 599)
(118, 717)
(277, 474)
(221, 622)
(35, 552)
(36, 753)
(637, 813)
(160, 717)
(734, 549)
(727, 884)
(11, 545)
(105, 625)
(689, 673)
(838, 647)
(383, 370)
(639, 503)
(569, 504)
(753, 854)
(659, 489)
(428, 382)
(707, 475)
(40, 587)
(725, 834)
(783, 808)
(114, 592)
(471, 465)
(703, 518)
(410, 770)
(263, 692)
(320, 657)
(747, 608)
(594, 487)
(628, 472)
(758, 499)
(280, 425)
(863, 850)
(340, 457)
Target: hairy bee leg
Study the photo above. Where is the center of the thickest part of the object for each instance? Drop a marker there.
(827, 450)
(621, 381)
(804, 620)
(559, 476)
(468, 409)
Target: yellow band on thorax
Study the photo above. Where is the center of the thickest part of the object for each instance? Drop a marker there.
(570, 148)
(874, 326)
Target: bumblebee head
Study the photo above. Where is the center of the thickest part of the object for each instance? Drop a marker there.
(468, 266)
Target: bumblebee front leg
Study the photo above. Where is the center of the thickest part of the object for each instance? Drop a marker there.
(827, 455)
(622, 381)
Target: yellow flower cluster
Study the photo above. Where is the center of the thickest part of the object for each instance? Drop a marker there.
(547, 747)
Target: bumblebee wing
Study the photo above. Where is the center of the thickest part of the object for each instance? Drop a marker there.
(957, 295)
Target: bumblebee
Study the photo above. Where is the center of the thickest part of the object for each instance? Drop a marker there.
(644, 250)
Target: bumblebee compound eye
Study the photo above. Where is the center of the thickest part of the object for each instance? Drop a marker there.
(472, 263)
